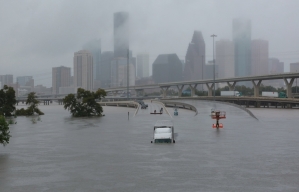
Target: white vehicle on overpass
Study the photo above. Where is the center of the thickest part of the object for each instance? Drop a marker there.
(163, 132)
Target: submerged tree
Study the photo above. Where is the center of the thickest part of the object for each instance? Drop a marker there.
(7, 101)
(32, 108)
(4, 131)
(84, 103)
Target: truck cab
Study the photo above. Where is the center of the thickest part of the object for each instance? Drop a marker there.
(163, 132)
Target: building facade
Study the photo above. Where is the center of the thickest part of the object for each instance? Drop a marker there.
(242, 47)
(167, 68)
(275, 66)
(119, 73)
(195, 58)
(294, 67)
(6, 80)
(121, 34)
(225, 59)
(83, 70)
(259, 57)
(61, 77)
(142, 65)
(106, 59)
(94, 47)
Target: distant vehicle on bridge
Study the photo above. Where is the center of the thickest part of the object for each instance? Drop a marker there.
(274, 94)
(231, 93)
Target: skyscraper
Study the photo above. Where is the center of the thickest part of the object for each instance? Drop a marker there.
(195, 58)
(225, 59)
(275, 67)
(142, 65)
(242, 46)
(106, 59)
(119, 73)
(61, 77)
(259, 57)
(121, 34)
(167, 68)
(83, 70)
(94, 47)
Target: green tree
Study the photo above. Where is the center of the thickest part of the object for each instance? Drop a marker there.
(84, 103)
(7, 101)
(32, 108)
(4, 131)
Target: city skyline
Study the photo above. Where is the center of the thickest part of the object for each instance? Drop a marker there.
(155, 28)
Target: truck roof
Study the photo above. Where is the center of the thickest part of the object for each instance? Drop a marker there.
(164, 123)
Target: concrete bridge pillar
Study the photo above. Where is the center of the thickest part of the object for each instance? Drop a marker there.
(180, 90)
(164, 91)
(289, 86)
(231, 86)
(193, 89)
(210, 89)
(257, 104)
(256, 87)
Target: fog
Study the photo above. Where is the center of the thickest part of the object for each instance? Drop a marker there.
(38, 35)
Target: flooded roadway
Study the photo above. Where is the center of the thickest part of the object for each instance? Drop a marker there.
(112, 153)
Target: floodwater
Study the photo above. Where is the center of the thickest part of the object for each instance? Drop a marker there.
(112, 153)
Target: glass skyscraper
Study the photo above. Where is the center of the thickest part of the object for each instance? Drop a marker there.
(242, 45)
(121, 34)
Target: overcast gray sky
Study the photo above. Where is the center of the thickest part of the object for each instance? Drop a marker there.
(36, 35)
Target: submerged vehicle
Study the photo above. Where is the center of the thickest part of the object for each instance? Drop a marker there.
(175, 113)
(143, 105)
(163, 132)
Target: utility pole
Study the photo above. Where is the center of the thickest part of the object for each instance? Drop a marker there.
(128, 73)
(214, 65)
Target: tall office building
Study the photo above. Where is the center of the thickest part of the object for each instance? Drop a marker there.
(94, 47)
(119, 73)
(294, 67)
(242, 46)
(26, 81)
(167, 68)
(225, 59)
(142, 65)
(195, 58)
(275, 66)
(259, 57)
(83, 70)
(61, 77)
(6, 80)
(121, 34)
(106, 59)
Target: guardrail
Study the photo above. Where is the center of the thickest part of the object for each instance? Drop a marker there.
(132, 104)
(181, 105)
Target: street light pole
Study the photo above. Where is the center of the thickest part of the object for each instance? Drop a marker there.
(128, 74)
(214, 65)
(296, 83)
(202, 73)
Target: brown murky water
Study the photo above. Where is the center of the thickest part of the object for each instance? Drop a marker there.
(112, 153)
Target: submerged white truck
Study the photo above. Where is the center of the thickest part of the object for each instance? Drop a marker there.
(163, 132)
